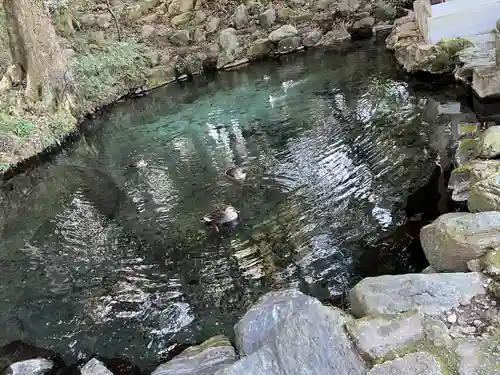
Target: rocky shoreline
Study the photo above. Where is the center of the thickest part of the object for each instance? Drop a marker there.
(432, 323)
(160, 42)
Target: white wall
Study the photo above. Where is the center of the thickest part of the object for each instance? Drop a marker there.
(454, 6)
(456, 18)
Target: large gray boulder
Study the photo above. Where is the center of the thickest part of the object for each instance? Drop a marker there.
(95, 367)
(414, 363)
(488, 145)
(311, 341)
(285, 31)
(205, 359)
(430, 294)
(453, 239)
(378, 336)
(37, 366)
(485, 195)
(266, 316)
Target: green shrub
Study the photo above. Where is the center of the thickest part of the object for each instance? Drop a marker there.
(16, 126)
(101, 72)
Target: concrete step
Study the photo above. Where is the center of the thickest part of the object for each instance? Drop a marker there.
(486, 81)
(465, 22)
(484, 41)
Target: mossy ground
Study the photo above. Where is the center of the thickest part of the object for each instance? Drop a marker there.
(106, 70)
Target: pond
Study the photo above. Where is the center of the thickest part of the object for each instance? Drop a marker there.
(98, 258)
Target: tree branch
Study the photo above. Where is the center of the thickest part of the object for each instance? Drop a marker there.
(110, 10)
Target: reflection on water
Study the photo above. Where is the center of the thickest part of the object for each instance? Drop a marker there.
(96, 257)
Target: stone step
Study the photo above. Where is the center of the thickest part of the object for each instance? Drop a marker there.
(484, 41)
(486, 81)
(465, 22)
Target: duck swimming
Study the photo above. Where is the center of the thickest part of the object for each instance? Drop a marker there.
(236, 174)
(141, 163)
(221, 217)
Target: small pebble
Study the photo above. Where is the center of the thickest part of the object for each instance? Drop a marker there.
(478, 323)
(462, 321)
(493, 303)
(468, 330)
(452, 318)
(464, 301)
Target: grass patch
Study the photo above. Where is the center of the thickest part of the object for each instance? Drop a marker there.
(103, 72)
(16, 126)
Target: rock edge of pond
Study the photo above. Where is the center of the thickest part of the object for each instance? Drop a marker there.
(432, 323)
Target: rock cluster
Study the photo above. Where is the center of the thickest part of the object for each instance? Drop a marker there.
(401, 328)
(180, 31)
(476, 179)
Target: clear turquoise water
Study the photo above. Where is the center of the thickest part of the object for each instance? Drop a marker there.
(98, 258)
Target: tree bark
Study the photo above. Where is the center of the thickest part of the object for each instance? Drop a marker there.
(34, 45)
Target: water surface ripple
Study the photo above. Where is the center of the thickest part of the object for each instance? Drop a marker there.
(98, 258)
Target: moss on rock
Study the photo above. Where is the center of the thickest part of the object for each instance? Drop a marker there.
(445, 50)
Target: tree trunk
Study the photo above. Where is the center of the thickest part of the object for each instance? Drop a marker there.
(34, 45)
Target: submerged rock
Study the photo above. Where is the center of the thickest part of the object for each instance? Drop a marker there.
(431, 294)
(95, 367)
(38, 366)
(266, 315)
(488, 145)
(485, 195)
(378, 336)
(20, 352)
(414, 363)
(311, 341)
(453, 239)
(205, 359)
(288, 45)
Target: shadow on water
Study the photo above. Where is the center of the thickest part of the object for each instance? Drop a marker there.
(98, 258)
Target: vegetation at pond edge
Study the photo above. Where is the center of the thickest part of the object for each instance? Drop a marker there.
(99, 51)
